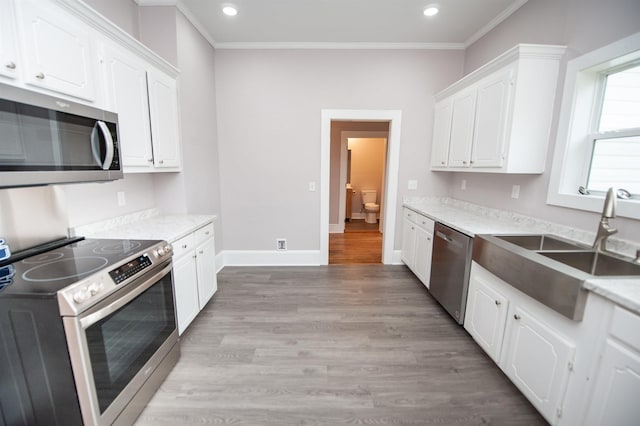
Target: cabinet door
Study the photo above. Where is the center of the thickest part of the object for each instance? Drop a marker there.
(8, 50)
(408, 243)
(57, 49)
(617, 386)
(186, 290)
(422, 259)
(486, 315)
(538, 362)
(127, 92)
(491, 120)
(207, 280)
(165, 131)
(441, 134)
(462, 122)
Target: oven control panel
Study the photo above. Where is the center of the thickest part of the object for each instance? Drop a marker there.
(81, 296)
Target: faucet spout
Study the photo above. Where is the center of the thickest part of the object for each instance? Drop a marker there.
(604, 228)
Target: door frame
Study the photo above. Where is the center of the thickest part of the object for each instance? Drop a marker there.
(394, 117)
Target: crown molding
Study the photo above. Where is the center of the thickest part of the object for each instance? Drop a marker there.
(494, 22)
(202, 29)
(340, 46)
(156, 2)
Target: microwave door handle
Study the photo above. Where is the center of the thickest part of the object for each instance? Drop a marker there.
(95, 141)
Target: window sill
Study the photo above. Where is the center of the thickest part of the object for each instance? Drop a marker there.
(624, 208)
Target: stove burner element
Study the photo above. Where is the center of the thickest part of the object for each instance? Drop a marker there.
(119, 246)
(64, 269)
(45, 257)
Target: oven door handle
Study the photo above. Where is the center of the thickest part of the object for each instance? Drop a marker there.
(93, 317)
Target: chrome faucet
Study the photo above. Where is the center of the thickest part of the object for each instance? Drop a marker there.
(605, 230)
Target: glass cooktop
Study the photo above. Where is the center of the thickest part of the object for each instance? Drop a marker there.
(48, 272)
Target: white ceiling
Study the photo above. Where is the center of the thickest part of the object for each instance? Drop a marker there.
(336, 23)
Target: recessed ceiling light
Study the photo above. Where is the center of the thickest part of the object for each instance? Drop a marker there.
(229, 10)
(431, 10)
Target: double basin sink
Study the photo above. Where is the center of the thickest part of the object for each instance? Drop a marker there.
(548, 268)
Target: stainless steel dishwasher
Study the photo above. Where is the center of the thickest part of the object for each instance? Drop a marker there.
(450, 267)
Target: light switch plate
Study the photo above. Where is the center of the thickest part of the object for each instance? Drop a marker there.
(515, 191)
(412, 184)
(312, 186)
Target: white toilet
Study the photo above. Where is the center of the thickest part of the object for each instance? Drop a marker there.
(371, 209)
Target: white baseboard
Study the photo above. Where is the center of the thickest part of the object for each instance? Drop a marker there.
(220, 261)
(336, 228)
(271, 257)
(396, 258)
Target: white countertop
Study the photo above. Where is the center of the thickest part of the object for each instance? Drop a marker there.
(146, 225)
(472, 220)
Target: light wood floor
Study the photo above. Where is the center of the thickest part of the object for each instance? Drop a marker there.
(331, 345)
(360, 243)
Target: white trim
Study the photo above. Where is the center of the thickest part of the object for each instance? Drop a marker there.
(393, 163)
(340, 46)
(494, 22)
(357, 215)
(271, 257)
(336, 228)
(202, 29)
(156, 2)
(573, 122)
(397, 258)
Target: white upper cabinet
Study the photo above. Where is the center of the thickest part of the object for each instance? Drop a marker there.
(8, 50)
(126, 90)
(165, 128)
(500, 115)
(461, 136)
(58, 50)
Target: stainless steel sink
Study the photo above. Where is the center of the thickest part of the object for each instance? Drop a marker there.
(595, 263)
(550, 269)
(542, 242)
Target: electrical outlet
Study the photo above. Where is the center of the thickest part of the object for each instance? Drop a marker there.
(412, 184)
(121, 199)
(515, 191)
(463, 184)
(281, 244)
(312, 186)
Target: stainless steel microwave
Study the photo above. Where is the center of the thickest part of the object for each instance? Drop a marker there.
(47, 140)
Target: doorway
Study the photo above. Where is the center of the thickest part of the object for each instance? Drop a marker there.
(357, 237)
(388, 216)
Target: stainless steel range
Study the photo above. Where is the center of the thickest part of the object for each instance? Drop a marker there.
(88, 331)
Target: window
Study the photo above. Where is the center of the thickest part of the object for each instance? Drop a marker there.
(598, 140)
(615, 158)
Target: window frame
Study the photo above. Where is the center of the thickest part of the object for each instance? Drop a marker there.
(581, 103)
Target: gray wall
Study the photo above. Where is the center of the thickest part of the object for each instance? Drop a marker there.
(269, 110)
(582, 25)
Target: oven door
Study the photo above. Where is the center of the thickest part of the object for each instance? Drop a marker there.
(117, 345)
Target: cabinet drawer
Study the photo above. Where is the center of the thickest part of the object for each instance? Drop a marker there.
(425, 223)
(183, 245)
(204, 233)
(625, 326)
(410, 214)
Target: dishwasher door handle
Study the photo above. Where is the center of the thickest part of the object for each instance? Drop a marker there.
(443, 236)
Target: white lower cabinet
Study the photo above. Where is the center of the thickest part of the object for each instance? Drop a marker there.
(615, 399)
(538, 361)
(417, 244)
(522, 337)
(486, 315)
(194, 274)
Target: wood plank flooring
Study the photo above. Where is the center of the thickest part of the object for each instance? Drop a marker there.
(360, 243)
(342, 344)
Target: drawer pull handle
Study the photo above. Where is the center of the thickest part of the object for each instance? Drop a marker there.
(184, 246)
(40, 76)
(516, 317)
(11, 65)
(201, 252)
(498, 303)
(206, 233)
